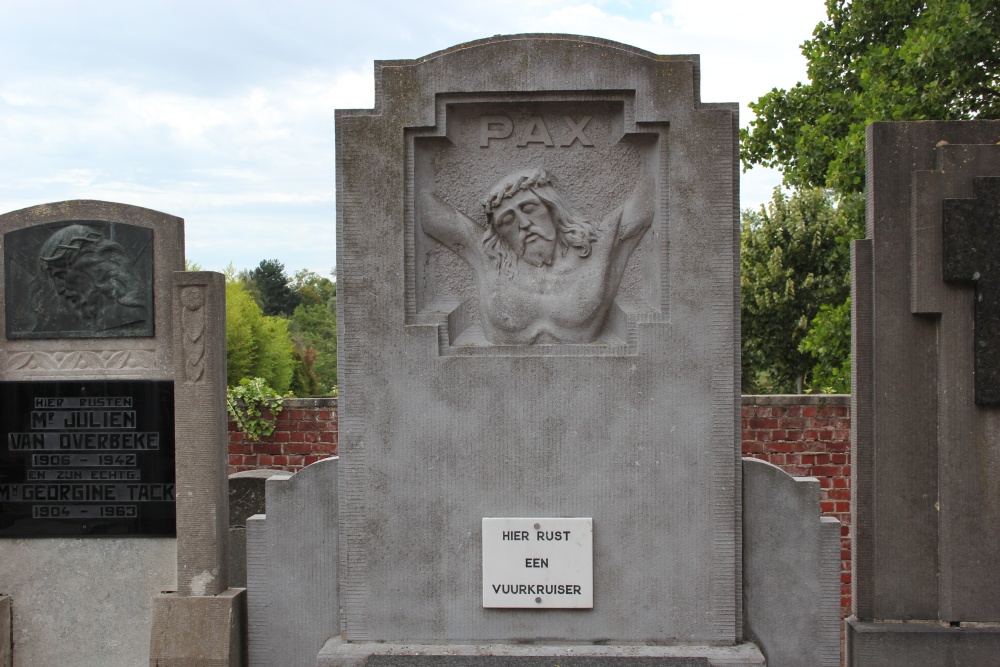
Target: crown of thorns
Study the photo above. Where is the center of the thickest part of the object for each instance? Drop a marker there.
(70, 248)
(511, 185)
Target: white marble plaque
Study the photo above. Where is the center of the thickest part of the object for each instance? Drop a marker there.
(538, 563)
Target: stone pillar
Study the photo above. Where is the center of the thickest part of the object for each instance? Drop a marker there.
(203, 623)
(791, 569)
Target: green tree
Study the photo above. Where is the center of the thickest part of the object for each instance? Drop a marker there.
(826, 344)
(793, 258)
(272, 286)
(875, 60)
(870, 60)
(257, 345)
(314, 330)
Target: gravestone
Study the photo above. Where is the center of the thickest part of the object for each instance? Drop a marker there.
(113, 453)
(87, 518)
(925, 420)
(538, 294)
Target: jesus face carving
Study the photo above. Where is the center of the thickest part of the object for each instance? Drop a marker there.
(526, 224)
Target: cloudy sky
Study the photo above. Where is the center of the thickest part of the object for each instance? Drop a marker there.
(221, 112)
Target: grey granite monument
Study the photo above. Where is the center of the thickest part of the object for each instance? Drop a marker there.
(926, 421)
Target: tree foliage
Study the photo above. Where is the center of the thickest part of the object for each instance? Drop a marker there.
(870, 60)
(272, 288)
(295, 353)
(314, 329)
(793, 258)
(257, 346)
(875, 60)
(830, 349)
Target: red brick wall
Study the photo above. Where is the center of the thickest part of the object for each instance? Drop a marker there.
(305, 433)
(804, 435)
(808, 436)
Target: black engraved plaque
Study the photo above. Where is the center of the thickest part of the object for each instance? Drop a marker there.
(91, 458)
(79, 279)
(971, 250)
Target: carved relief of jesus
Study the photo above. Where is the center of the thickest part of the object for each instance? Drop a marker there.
(544, 274)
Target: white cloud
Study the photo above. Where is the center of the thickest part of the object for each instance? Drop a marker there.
(233, 128)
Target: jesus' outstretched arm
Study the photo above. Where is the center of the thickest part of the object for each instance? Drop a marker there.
(445, 223)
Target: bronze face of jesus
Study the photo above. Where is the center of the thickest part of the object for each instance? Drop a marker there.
(543, 273)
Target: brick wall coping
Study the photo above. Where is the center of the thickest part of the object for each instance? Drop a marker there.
(748, 399)
(797, 399)
(306, 403)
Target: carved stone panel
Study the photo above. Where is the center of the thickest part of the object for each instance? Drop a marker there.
(79, 279)
(526, 216)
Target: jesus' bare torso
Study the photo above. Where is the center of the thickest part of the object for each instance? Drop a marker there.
(542, 275)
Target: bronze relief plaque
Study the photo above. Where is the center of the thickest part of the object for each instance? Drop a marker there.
(79, 279)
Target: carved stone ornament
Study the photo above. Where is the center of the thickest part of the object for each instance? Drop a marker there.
(193, 328)
(79, 279)
(81, 360)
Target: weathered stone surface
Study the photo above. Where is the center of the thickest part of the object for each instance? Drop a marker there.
(246, 498)
(5, 657)
(791, 569)
(85, 602)
(207, 631)
(523, 661)
(910, 644)
(338, 653)
(972, 254)
(201, 420)
(292, 568)
(923, 447)
(572, 378)
(925, 531)
(88, 602)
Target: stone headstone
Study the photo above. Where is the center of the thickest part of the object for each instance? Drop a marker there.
(292, 568)
(538, 294)
(246, 498)
(791, 567)
(86, 365)
(926, 430)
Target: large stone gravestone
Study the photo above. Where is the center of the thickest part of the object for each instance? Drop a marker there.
(112, 416)
(87, 459)
(926, 440)
(537, 240)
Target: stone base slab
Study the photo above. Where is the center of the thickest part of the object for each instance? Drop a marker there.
(5, 632)
(199, 631)
(911, 644)
(338, 653)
